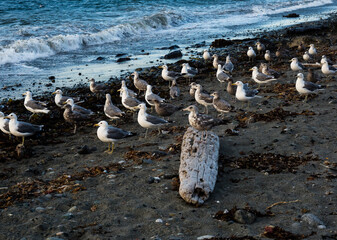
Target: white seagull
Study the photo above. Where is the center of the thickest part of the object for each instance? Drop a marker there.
(261, 78)
(251, 53)
(295, 65)
(243, 93)
(304, 87)
(34, 106)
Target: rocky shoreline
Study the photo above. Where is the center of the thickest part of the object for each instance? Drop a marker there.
(277, 165)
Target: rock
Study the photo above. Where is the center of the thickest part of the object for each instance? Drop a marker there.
(119, 60)
(159, 220)
(100, 58)
(51, 78)
(291, 15)
(205, 237)
(72, 209)
(48, 85)
(148, 161)
(199, 45)
(120, 54)
(40, 209)
(312, 220)
(86, 150)
(153, 180)
(219, 43)
(68, 215)
(174, 54)
(244, 216)
(54, 238)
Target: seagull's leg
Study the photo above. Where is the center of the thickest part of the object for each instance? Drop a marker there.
(108, 148)
(146, 132)
(31, 116)
(23, 140)
(112, 148)
(306, 98)
(159, 132)
(75, 128)
(206, 109)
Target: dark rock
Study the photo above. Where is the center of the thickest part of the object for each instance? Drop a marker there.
(86, 150)
(244, 216)
(51, 78)
(119, 60)
(291, 15)
(100, 58)
(199, 45)
(49, 85)
(174, 54)
(169, 48)
(120, 54)
(218, 43)
(306, 30)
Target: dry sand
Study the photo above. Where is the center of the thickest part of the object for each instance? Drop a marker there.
(281, 154)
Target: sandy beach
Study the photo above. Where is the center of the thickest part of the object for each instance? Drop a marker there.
(277, 159)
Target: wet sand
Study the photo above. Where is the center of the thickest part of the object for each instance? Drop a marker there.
(280, 161)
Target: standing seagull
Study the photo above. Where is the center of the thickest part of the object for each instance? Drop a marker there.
(326, 69)
(230, 88)
(304, 87)
(165, 109)
(206, 56)
(78, 108)
(306, 56)
(295, 65)
(149, 121)
(22, 129)
(216, 61)
(169, 75)
(251, 53)
(99, 88)
(188, 72)
(243, 93)
(261, 78)
(267, 56)
(110, 134)
(221, 75)
(140, 84)
(228, 66)
(74, 117)
(128, 102)
(4, 124)
(130, 92)
(260, 47)
(174, 90)
(312, 50)
(150, 96)
(200, 122)
(34, 106)
(220, 105)
(59, 98)
(110, 110)
(202, 97)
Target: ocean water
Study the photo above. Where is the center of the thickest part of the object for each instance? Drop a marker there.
(42, 38)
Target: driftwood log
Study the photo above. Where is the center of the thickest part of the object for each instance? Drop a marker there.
(198, 165)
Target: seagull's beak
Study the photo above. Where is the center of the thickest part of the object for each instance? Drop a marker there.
(53, 93)
(160, 67)
(234, 84)
(251, 69)
(290, 60)
(119, 90)
(24, 94)
(96, 125)
(185, 109)
(6, 117)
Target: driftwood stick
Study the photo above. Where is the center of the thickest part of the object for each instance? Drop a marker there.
(198, 165)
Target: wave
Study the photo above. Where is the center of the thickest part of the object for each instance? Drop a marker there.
(37, 47)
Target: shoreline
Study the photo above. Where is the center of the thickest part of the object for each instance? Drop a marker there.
(122, 203)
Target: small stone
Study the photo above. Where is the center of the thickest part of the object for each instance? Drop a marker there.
(54, 238)
(59, 195)
(119, 60)
(111, 176)
(205, 237)
(40, 209)
(72, 209)
(68, 215)
(244, 217)
(148, 161)
(100, 58)
(312, 220)
(159, 220)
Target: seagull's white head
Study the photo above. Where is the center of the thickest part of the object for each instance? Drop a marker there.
(191, 108)
(12, 116)
(108, 96)
(300, 75)
(70, 101)
(102, 124)
(58, 91)
(2, 114)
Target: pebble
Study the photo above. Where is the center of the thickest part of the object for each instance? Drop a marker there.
(59, 195)
(159, 220)
(68, 215)
(39, 209)
(313, 221)
(72, 209)
(110, 176)
(153, 180)
(54, 238)
(205, 237)
(48, 196)
(243, 216)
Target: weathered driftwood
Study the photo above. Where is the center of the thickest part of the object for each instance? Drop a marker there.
(318, 65)
(198, 165)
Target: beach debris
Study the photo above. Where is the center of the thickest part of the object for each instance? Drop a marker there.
(312, 220)
(276, 232)
(283, 202)
(271, 163)
(291, 15)
(205, 237)
(245, 215)
(198, 165)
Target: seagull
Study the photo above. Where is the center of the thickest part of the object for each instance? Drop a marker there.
(228, 66)
(301, 47)
(221, 75)
(324, 58)
(230, 88)
(251, 53)
(4, 124)
(220, 105)
(268, 71)
(311, 77)
(78, 108)
(34, 106)
(140, 84)
(111, 134)
(147, 121)
(110, 110)
(165, 109)
(128, 102)
(312, 50)
(260, 47)
(243, 93)
(200, 122)
(22, 129)
(192, 89)
(304, 87)
(326, 69)
(188, 72)
(99, 88)
(295, 65)
(130, 92)
(206, 56)
(306, 56)
(202, 97)
(59, 98)
(267, 56)
(216, 61)
(74, 117)
(169, 75)
(261, 78)
(150, 96)
(174, 90)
